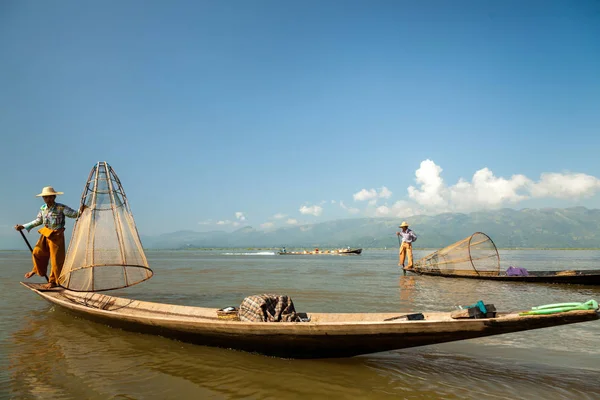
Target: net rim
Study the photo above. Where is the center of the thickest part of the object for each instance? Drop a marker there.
(111, 265)
(495, 249)
(109, 289)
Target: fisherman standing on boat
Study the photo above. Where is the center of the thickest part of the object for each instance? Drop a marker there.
(51, 245)
(408, 237)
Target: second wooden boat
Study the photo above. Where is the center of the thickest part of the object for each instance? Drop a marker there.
(476, 257)
(573, 277)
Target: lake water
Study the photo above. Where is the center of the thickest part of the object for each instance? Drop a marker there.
(46, 353)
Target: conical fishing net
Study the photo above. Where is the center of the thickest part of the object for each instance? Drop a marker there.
(105, 251)
(474, 255)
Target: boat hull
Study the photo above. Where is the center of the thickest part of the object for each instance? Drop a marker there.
(591, 277)
(350, 252)
(326, 336)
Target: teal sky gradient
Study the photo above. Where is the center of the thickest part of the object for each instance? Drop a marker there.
(208, 108)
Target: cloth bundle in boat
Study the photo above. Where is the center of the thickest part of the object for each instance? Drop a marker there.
(105, 251)
(473, 255)
(516, 271)
(268, 308)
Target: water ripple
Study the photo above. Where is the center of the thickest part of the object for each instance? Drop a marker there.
(48, 354)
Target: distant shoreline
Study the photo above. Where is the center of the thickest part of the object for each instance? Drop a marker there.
(364, 249)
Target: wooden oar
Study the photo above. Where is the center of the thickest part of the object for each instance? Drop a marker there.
(30, 248)
(26, 241)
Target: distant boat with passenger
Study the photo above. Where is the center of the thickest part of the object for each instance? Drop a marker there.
(316, 251)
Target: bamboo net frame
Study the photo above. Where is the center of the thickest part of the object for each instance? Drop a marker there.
(474, 255)
(105, 251)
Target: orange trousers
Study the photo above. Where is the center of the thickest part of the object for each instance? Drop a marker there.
(51, 248)
(406, 252)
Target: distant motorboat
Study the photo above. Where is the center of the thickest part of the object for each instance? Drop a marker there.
(338, 252)
(350, 251)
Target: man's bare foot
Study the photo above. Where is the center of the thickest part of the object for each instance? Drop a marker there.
(29, 274)
(49, 285)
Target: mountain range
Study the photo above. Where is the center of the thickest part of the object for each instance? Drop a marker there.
(575, 227)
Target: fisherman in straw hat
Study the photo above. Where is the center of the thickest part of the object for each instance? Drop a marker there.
(408, 237)
(51, 245)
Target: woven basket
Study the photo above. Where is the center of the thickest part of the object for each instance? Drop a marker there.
(228, 315)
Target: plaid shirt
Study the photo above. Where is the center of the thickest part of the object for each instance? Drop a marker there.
(52, 217)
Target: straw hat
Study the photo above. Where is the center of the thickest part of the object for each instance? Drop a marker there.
(48, 191)
(403, 224)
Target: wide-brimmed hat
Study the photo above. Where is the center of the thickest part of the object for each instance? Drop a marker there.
(403, 224)
(48, 191)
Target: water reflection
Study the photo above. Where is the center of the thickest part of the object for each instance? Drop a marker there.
(407, 290)
(50, 354)
(58, 356)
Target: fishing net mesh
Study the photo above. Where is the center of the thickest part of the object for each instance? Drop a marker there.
(474, 255)
(105, 251)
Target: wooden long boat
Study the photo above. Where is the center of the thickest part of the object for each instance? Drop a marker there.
(350, 251)
(574, 277)
(326, 335)
(340, 252)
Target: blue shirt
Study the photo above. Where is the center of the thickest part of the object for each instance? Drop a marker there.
(408, 236)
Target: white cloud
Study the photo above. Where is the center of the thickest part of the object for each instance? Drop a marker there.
(382, 211)
(267, 225)
(385, 193)
(485, 190)
(207, 222)
(565, 186)
(279, 216)
(312, 210)
(372, 195)
(351, 210)
(365, 194)
(432, 185)
(224, 222)
(292, 221)
(240, 216)
(403, 209)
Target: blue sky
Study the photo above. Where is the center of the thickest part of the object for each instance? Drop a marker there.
(217, 114)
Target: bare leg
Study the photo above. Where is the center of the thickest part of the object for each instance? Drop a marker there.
(29, 274)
